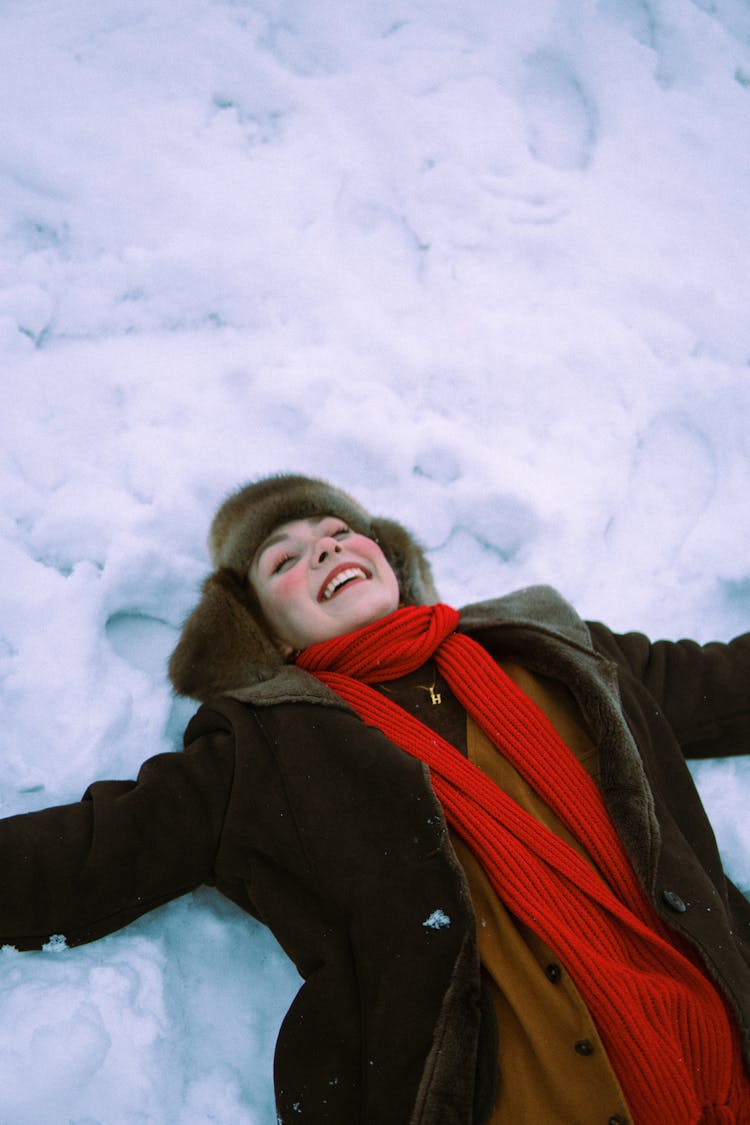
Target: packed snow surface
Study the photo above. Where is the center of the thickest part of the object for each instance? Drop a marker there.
(487, 266)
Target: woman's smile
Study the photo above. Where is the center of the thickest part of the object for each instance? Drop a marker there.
(340, 577)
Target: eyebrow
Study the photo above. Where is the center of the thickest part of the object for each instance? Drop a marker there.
(271, 542)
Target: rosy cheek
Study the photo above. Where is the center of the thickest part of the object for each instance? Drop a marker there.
(287, 585)
(367, 548)
(280, 588)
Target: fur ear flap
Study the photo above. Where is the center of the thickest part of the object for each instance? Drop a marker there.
(408, 561)
(221, 646)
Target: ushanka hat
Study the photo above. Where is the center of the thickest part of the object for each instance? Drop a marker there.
(225, 643)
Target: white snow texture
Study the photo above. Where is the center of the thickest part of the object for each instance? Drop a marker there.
(487, 266)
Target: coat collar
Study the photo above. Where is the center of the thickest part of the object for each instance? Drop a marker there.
(538, 608)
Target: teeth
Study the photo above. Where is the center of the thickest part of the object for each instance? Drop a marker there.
(341, 577)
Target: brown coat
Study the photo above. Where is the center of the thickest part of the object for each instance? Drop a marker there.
(317, 825)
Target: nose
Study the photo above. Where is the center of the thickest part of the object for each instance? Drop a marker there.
(325, 546)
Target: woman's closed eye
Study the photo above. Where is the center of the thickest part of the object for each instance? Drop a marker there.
(282, 563)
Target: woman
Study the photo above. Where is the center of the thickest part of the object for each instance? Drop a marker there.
(475, 835)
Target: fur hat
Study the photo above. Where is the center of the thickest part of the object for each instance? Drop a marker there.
(225, 644)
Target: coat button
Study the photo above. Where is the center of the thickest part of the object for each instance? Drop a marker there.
(553, 972)
(584, 1047)
(674, 902)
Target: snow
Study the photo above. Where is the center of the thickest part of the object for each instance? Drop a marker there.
(489, 269)
(438, 920)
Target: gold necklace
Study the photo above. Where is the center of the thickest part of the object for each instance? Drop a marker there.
(435, 696)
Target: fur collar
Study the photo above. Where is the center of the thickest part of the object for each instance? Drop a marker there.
(538, 608)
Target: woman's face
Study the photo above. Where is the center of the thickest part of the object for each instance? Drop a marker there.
(316, 579)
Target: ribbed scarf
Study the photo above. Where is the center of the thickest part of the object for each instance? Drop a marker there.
(665, 1028)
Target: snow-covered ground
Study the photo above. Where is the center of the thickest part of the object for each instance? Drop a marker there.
(487, 266)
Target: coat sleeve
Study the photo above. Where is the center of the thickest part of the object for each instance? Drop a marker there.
(83, 870)
(703, 690)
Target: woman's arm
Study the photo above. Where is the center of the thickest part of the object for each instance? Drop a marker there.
(704, 690)
(86, 869)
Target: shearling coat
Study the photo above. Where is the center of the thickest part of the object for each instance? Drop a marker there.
(329, 834)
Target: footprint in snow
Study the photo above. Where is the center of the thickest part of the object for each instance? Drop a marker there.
(561, 117)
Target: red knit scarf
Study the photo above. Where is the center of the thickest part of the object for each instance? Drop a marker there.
(665, 1028)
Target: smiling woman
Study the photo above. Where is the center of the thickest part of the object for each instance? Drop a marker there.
(448, 825)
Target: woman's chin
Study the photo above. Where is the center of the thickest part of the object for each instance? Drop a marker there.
(361, 611)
